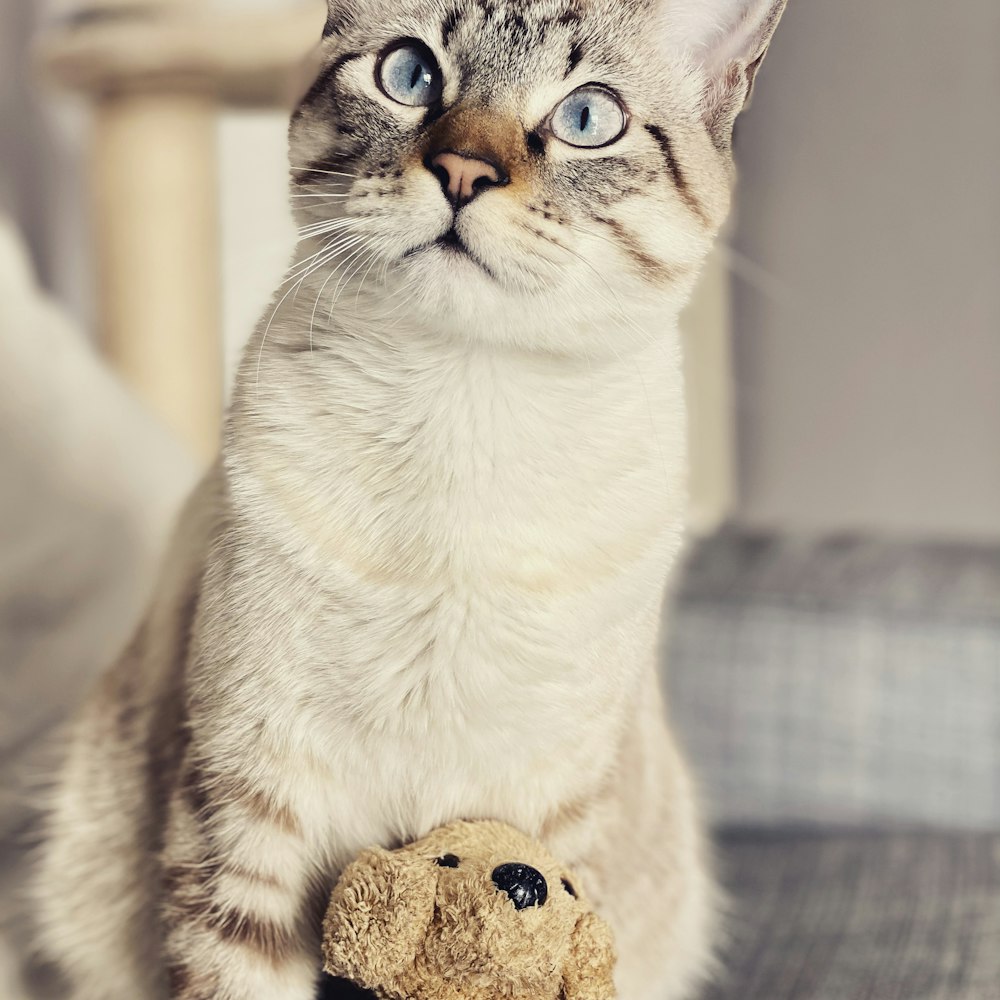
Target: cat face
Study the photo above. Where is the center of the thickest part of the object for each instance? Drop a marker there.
(507, 167)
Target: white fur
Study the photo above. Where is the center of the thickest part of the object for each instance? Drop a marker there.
(503, 525)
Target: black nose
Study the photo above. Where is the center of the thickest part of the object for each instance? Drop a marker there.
(525, 885)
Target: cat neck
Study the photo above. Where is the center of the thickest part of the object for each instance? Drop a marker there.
(404, 452)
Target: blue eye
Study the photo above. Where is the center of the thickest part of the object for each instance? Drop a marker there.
(590, 117)
(408, 73)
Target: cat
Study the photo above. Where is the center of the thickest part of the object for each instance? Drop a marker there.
(424, 579)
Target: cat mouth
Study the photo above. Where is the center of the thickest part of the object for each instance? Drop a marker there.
(453, 245)
(452, 241)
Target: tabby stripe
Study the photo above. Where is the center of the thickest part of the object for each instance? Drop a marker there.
(630, 244)
(262, 807)
(680, 181)
(184, 984)
(234, 926)
(177, 878)
(195, 793)
(178, 978)
(206, 794)
(324, 80)
(575, 57)
(264, 936)
(336, 22)
(449, 26)
(249, 875)
(190, 899)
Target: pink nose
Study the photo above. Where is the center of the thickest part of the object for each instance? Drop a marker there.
(463, 177)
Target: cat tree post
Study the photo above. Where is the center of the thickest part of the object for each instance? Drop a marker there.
(154, 180)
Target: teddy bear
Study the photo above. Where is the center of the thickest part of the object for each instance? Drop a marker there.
(474, 911)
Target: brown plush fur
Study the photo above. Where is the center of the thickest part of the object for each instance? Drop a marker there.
(408, 928)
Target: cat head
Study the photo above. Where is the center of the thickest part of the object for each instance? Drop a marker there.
(520, 169)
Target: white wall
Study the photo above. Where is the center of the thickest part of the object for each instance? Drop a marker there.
(868, 361)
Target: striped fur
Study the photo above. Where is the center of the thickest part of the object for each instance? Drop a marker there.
(424, 581)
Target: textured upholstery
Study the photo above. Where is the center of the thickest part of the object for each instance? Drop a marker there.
(908, 916)
(842, 682)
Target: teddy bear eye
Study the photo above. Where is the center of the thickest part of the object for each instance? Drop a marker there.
(568, 886)
(447, 861)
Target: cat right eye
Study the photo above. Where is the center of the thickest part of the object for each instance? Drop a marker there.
(408, 73)
(591, 117)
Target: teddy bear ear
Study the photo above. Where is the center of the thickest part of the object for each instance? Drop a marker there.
(378, 918)
(590, 966)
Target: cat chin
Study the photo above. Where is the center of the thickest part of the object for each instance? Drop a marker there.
(456, 299)
(450, 261)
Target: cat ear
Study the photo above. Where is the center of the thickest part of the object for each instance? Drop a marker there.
(727, 40)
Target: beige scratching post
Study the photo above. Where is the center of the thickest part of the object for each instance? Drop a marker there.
(154, 179)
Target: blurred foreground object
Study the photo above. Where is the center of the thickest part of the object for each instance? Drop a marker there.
(91, 484)
(158, 73)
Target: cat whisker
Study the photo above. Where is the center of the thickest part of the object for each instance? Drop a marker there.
(328, 225)
(328, 252)
(316, 170)
(312, 320)
(306, 263)
(340, 234)
(346, 276)
(305, 267)
(267, 329)
(364, 278)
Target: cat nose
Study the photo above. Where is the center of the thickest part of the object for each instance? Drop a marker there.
(524, 885)
(462, 176)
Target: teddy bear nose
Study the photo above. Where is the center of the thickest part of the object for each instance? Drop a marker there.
(524, 885)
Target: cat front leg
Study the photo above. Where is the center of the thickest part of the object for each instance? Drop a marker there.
(237, 907)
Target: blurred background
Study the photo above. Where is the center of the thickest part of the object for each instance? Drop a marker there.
(834, 647)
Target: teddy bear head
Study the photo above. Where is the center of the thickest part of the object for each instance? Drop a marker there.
(475, 911)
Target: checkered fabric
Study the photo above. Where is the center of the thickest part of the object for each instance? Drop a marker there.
(912, 916)
(840, 682)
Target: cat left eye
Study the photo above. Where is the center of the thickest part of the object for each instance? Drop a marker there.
(592, 116)
(408, 73)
